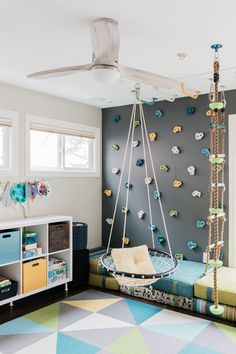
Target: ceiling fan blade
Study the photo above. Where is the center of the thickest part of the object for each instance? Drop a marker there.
(147, 78)
(68, 70)
(105, 41)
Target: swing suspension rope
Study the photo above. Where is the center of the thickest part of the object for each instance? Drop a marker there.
(164, 262)
(216, 218)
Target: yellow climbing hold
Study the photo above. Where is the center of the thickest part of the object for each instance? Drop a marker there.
(125, 240)
(108, 192)
(177, 183)
(153, 136)
(177, 129)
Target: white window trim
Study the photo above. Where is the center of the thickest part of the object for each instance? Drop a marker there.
(232, 191)
(62, 124)
(13, 170)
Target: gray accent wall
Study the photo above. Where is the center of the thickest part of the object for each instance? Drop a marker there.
(182, 228)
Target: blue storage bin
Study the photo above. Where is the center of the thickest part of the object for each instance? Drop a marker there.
(80, 235)
(9, 246)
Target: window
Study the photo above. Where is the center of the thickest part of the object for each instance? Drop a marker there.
(62, 148)
(8, 143)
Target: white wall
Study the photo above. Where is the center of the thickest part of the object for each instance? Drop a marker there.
(76, 196)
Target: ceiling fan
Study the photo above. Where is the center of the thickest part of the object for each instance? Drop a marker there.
(105, 66)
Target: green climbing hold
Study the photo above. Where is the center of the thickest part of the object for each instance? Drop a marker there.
(216, 105)
(173, 213)
(214, 159)
(216, 264)
(216, 211)
(124, 210)
(136, 123)
(217, 310)
(164, 168)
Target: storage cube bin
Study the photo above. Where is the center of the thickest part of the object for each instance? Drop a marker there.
(34, 275)
(59, 237)
(9, 246)
(8, 291)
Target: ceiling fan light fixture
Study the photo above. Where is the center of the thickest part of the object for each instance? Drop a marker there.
(105, 74)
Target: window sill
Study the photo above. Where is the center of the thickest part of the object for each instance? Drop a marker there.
(62, 174)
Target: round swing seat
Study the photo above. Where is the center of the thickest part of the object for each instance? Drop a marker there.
(163, 263)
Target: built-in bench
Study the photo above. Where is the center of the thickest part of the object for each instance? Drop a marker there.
(188, 288)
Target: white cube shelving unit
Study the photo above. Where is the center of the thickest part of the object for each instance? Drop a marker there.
(40, 225)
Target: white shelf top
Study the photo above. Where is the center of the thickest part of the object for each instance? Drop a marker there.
(36, 220)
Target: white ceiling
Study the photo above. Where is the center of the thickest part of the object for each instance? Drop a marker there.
(43, 34)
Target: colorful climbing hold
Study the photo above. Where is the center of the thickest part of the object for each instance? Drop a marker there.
(128, 185)
(116, 118)
(206, 152)
(196, 193)
(159, 113)
(135, 143)
(175, 150)
(136, 123)
(153, 136)
(164, 168)
(191, 170)
(125, 240)
(139, 162)
(192, 245)
(152, 227)
(160, 239)
(179, 256)
(177, 183)
(199, 136)
(124, 210)
(177, 129)
(141, 214)
(200, 224)
(156, 195)
(190, 110)
(115, 147)
(109, 221)
(115, 170)
(173, 212)
(148, 180)
(108, 192)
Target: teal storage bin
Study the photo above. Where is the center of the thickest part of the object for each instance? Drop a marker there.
(9, 246)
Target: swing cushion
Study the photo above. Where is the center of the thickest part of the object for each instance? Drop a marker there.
(203, 288)
(135, 260)
(182, 282)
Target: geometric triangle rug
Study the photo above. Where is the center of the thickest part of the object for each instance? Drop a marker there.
(96, 322)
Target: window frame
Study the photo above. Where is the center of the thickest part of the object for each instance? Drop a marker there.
(47, 123)
(11, 168)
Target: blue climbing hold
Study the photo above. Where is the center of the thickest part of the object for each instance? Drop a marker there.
(159, 113)
(200, 224)
(216, 46)
(139, 162)
(156, 195)
(116, 118)
(206, 152)
(160, 239)
(128, 185)
(152, 227)
(191, 245)
(190, 110)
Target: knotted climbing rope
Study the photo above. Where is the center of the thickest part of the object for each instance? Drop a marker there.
(216, 218)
